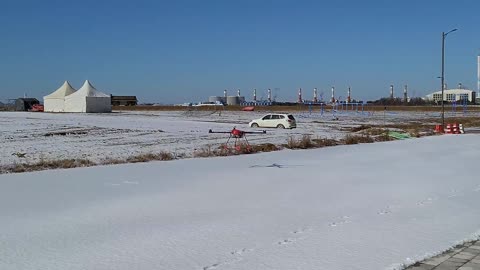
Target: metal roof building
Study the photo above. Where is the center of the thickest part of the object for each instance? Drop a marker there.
(451, 95)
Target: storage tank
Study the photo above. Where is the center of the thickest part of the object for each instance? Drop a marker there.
(233, 100)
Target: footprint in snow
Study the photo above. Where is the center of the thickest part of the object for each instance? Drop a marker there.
(341, 221)
(300, 231)
(213, 266)
(286, 241)
(241, 251)
(384, 211)
(453, 193)
(425, 202)
(112, 184)
(236, 257)
(131, 182)
(273, 165)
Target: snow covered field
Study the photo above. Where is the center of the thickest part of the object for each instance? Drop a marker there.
(46, 136)
(367, 206)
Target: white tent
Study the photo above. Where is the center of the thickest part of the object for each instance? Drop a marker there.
(88, 99)
(55, 102)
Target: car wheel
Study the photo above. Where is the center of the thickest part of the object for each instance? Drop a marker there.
(280, 126)
(254, 125)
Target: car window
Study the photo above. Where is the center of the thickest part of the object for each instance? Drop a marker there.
(266, 117)
(282, 116)
(275, 117)
(291, 117)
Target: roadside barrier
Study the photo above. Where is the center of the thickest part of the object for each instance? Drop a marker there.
(455, 128)
(451, 128)
(448, 129)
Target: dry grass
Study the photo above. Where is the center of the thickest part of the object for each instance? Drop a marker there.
(46, 165)
(360, 128)
(414, 129)
(265, 147)
(356, 139)
(208, 151)
(383, 137)
(240, 149)
(112, 161)
(377, 134)
(375, 131)
(325, 142)
(149, 157)
(304, 142)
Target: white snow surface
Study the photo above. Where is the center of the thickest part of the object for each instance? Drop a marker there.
(368, 206)
(119, 135)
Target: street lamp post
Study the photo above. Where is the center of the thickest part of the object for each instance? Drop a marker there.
(444, 35)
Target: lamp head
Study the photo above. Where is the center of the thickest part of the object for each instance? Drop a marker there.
(453, 30)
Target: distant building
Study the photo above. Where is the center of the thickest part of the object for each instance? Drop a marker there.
(124, 100)
(25, 104)
(451, 95)
(216, 99)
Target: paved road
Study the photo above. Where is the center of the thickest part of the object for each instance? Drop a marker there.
(464, 257)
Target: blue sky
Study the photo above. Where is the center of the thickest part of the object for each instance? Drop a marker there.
(178, 51)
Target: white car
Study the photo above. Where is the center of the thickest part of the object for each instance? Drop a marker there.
(275, 120)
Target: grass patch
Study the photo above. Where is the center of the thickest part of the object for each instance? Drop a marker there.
(356, 139)
(47, 165)
(112, 161)
(265, 147)
(44, 164)
(374, 131)
(241, 148)
(325, 142)
(149, 157)
(304, 142)
(208, 151)
(384, 137)
(360, 128)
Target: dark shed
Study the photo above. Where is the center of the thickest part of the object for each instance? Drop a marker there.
(124, 100)
(25, 104)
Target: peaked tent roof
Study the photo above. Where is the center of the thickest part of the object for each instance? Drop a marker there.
(87, 90)
(64, 90)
